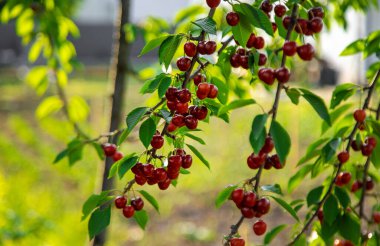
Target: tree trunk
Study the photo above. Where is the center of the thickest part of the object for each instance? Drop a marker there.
(119, 68)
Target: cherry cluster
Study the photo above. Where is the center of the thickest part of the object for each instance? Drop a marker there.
(263, 157)
(241, 57)
(308, 27)
(110, 150)
(135, 204)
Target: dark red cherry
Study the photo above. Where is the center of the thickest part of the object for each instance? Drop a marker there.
(191, 122)
(128, 211)
(109, 149)
(120, 202)
(183, 64)
(232, 18)
(190, 49)
(187, 160)
(137, 203)
(280, 10)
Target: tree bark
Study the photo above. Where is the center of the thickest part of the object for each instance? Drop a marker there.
(119, 69)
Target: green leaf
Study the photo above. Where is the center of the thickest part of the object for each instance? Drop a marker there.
(342, 93)
(163, 86)
(343, 197)
(135, 116)
(287, 207)
(269, 236)
(375, 157)
(329, 150)
(222, 89)
(146, 132)
(206, 24)
(61, 155)
(239, 103)
(257, 18)
(123, 136)
(168, 48)
(318, 104)
(224, 195)
(314, 196)
(258, 143)
(152, 84)
(166, 114)
(152, 44)
(258, 125)
(99, 150)
(92, 202)
(199, 155)
(141, 217)
(150, 199)
(276, 188)
(125, 164)
(330, 209)
(335, 115)
(312, 150)
(349, 228)
(242, 31)
(294, 95)
(353, 48)
(298, 177)
(281, 140)
(49, 106)
(198, 139)
(99, 220)
(75, 149)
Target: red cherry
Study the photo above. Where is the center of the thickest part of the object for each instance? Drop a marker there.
(210, 47)
(289, 48)
(140, 179)
(148, 170)
(274, 27)
(343, 157)
(356, 186)
(174, 163)
(242, 51)
(109, 149)
(316, 12)
(171, 105)
(286, 22)
(249, 199)
(259, 43)
(266, 75)
(184, 95)
(178, 120)
(180, 152)
(376, 217)
(355, 146)
(120, 202)
(282, 75)
(137, 203)
(171, 94)
(316, 24)
(183, 64)
(117, 156)
(366, 149)
(171, 127)
(320, 216)
(276, 162)
(262, 205)
(165, 184)
(173, 175)
(237, 242)
(244, 61)
(191, 122)
(190, 49)
(201, 112)
(371, 141)
(213, 91)
(160, 174)
(369, 184)
(202, 47)
(306, 52)
(182, 108)
(360, 115)
(235, 60)
(199, 78)
(255, 161)
(213, 3)
(268, 145)
(203, 90)
(345, 178)
(157, 141)
(187, 160)
(151, 180)
(280, 10)
(262, 59)
(251, 41)
(248, 213)
(237, 196)
(266, 6)
(232, 18)
(259, 227)
(301, 26)
(128, 211)
(137, 169)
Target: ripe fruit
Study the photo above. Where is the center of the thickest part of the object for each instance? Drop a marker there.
(286, 22)
(266, 6)
(276, 162)
(191, 122)
(140, 179)
(182, 108)
(157, 141)
(244, 61)
(183, 95)
(160, 174)
(128, 211)
(320, 216)
(250, 42)
(255, 161)
(202, 47)
(266, 75)
(213, 3)
(213, 91)
(171, 127)
(248, 213)
(360, 115)
(178, 120)
(343, 178)
(201, 112)
(262, 205)
(164, 185)
(259, 43)
(137, 169)
(369, 184)
(173, 175)
(237, 196)
(117, 156)
(171, 94)
(343, 157)
(274, 27)
(148, 170)
(203, 90)
(109, 149)
(137, 203)
(210, 47)
(301, 26)
(262, 59)
(120, 201)
(187, 160)
(232, 18)
(235, 60)
(280, 10)
(371, 141)
(259, 227)
(282, 74)
(190, 49)
(237, 242)
(174, 163)
(289, 48)
(183, 64)
(376, 217)
(355, 146)
(316, 12)
(306, 52)
(356, 186)
(366, 149)
(268, 145)
(316, 25)
(342, 242)
(199, 78)
(249, 199)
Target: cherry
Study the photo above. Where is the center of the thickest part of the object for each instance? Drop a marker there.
(266, 75)
(117, 156)
(232, 18)
(187, 160)
(171, 127)
(255, 161)
(355, 146)
(280, 10)
(157, 141)
(120, 201)
(343, 157)
(376, 217)
(248, 213)
(202, 47)
(199, 78)
(137, 169)
(369, 184)
(213, 91)
(174, 162)
(171, 94)
(301, 26)
(282, 74)
(316, 12)
(286, 22)
(242, 51)
(276, 162)
(191, 122)
(128, 211)
(250, 42)
(262, 205)
(213, 3)
(210, 47)
(338, 242)
(356, 186)
(160, 174)
(268, 145)
(148, 170)
(316, 25)
(190, 49)
(182, 108)
(320, 216)
(164, 185)
(306, 52)
(262, 59)
(345, 178)
(249, 199)
(371, 141)
(244, 61)
(259, 43)
(360, 115)
(183, 64)
(268, 163)
(173, 175)
(274, 26)
(171, 105)
(109, 149)
(237, 196)
(140, 179)
(235, 60)
(180, 152)
(178, 120)
(137, 203)
(184, 95)
(366, 149)
(201, 112)
(203, 90)
(259, 227)
(237, 242)
(289, 48)
(266, 6)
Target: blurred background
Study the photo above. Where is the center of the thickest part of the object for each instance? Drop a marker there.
(40, 203)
